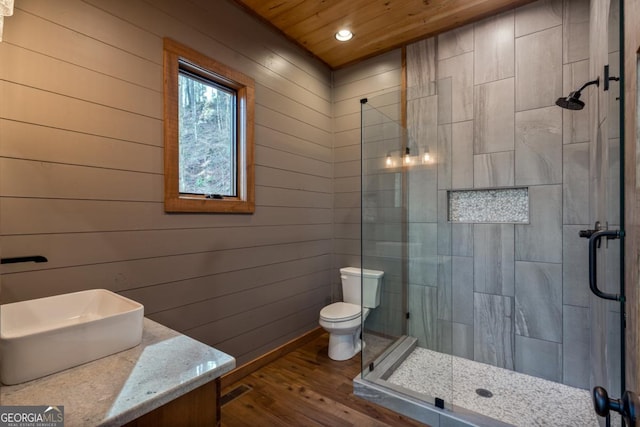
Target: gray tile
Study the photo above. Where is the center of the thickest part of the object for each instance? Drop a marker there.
(421, 68)
(422, 252)
(444, 160)
(445, 291)
(613, 113)
(493, 48)
(462, 239)
(462, 289)
(460, 69)
(423, 270)
(494, 170)
(374, 183)
(575, 30)
(444, 100)
(444, 226)
(575, 272)
(493, 248)
(493, 330)
(462, 340)
(538, 69)
(614, 26)
(383, 249)
(392, 268)
(539, 146)
(575, 346)
(542, 359)
(387, 319)
(575, 124)
(422, 118)
(598, 344)
(422, 194)
(444, 238)
(541, 239)
(423, 304)
(393, 284)
(539, 300)
(422, 239)
(538, 16)
(610, 250)
(382, 232)
(462, 155)
(495, 118)
(613, 183)
(613, 349)
(455, 42)
(444, 336)
(575, 185)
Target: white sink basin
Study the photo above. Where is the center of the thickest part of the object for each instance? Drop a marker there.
(46, 335)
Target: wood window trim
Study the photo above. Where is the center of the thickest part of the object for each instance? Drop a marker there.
(244, 202)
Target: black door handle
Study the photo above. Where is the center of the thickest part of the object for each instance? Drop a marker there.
(586, 233)
(594, 244)
(627, 406)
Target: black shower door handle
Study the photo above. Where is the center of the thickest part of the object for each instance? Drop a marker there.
(594, 243)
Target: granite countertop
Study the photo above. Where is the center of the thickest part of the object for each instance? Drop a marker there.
(124, 386)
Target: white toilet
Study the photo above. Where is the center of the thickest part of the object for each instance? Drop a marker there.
(343, 320)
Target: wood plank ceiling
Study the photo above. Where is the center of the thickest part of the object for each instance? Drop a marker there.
(377, 25)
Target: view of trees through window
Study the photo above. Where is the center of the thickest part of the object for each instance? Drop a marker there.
(207, 137)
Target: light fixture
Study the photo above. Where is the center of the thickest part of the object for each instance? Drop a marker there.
(344, 35)
(6, 9)
(426, 156)
(407, 156)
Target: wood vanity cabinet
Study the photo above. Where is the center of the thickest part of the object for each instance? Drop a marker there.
(199, 407)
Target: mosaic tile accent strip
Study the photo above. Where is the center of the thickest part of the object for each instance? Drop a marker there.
(509, 205)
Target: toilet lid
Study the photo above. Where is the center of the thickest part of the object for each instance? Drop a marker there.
(341, 311)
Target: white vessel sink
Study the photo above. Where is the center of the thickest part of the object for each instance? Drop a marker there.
(46, 335)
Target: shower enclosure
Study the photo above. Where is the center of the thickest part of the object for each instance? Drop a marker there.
(475, 209)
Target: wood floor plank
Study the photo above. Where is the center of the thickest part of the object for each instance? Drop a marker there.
(313, 404)
(305, 387)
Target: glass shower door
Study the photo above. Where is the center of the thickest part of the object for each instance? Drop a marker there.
(405, 235)
(382, 221)
(607, 302)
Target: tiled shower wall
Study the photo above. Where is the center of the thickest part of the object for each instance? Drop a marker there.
(482, 98)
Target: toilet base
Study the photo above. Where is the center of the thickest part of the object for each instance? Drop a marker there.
(344, 347)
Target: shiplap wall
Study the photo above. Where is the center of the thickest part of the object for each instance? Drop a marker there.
(381, 77)
(81, 172)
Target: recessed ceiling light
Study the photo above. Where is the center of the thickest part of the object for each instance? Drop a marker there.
(344, 35)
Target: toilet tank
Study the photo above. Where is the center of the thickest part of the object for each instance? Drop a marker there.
(371, 284)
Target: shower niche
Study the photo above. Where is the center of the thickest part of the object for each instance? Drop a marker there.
(502, 205)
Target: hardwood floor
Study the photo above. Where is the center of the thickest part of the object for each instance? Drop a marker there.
(304, 388)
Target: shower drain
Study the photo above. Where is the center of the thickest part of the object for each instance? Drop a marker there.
(484, 392)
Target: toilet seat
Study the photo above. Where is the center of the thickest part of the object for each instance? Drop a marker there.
(340, 312)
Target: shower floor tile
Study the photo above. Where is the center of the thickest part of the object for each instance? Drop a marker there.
(518, 399)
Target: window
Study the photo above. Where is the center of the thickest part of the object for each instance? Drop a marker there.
(208, 132)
